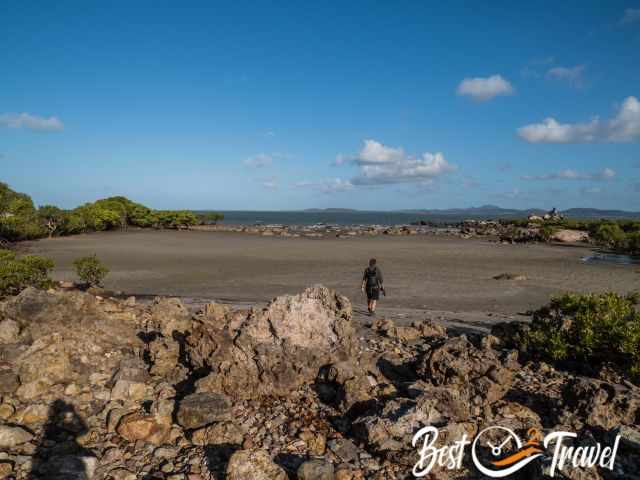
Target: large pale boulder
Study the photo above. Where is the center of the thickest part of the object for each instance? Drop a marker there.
(570, 236)
(274, 350)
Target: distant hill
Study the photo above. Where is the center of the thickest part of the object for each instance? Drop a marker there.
(493, 211)
(331, 210)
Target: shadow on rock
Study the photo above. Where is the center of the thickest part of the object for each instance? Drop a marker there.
(59, 455)
(218, 456)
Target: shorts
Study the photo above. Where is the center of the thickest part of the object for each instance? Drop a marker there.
(373, 293)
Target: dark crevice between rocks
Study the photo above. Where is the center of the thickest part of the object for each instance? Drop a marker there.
(290, 462)
(217, 458)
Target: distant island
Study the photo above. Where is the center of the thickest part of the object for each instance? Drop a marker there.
(496, 212)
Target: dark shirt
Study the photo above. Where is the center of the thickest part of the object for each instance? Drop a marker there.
(373, 277)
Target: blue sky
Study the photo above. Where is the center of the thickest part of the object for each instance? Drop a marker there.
(289, 105)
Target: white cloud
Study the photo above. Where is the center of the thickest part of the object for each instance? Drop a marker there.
(483, 89)
(382, 165)
(591, 190)
(573, 75)
(32, 122)
(550, 131)
(631, 15)
(331, 185)
(261, 160)
(624, 127)
(605, 174)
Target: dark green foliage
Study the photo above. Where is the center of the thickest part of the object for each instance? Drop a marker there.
(20, 220)
(546, 232)
(591, 328)
(91, 270)
(18, 216)
(16, 274)
(610, 235)
(175, 219)
(209, 218)
(52, 219)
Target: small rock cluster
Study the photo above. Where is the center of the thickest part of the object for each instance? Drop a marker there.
(93, 387)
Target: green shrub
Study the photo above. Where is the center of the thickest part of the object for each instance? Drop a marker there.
(16, 274)
(91, 270)
(546, 232)
(589, 328)
(610, 235)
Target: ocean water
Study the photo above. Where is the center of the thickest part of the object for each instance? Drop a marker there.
(332, 218)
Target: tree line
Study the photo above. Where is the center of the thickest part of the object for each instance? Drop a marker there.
(20, 219)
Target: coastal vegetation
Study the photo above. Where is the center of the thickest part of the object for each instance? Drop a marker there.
(593, 329)
(20, 219)
(90, 270)
(16, 274)
(622, 236)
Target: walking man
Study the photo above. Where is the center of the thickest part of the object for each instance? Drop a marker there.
(372, 285)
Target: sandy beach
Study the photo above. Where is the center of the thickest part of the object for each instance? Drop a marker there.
(446, 278)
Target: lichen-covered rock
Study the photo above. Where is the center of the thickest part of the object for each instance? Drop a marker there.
(253, 464)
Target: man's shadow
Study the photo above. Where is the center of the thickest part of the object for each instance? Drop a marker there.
(59, 455)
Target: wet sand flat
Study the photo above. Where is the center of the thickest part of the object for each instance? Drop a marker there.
(421, 272)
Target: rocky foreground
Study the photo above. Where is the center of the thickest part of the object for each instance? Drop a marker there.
(104, 388)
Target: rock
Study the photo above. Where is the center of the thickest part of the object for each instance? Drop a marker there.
(137, 426)
(429, 329)
(316, 442)
(13, 436)
(164, 354)
(9, 382)
(222, 433)
(518, 277)
(134, 391)
(344, 384)
(35, 414)
(9, 331)
(253, 464)
(6, 411)
(570, 236)
(629, 437)
(200, 409)
(601, 404)
(5, 470)
(277, 349)
(479, 374)
(169, 315)
(316, 470)
(344, 449)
